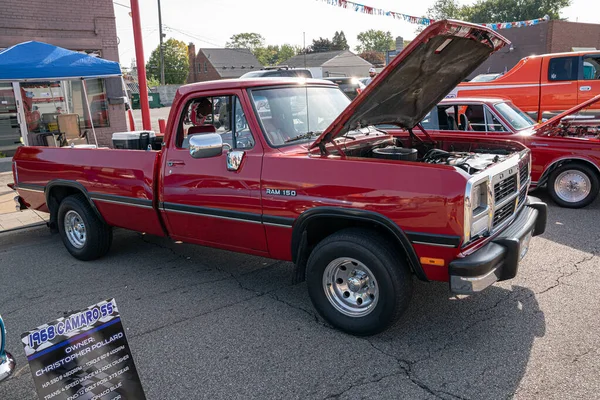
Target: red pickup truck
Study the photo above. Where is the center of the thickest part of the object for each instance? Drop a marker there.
(306, 177)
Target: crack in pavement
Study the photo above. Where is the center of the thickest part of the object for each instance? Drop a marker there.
(566, 274)
(407, 366)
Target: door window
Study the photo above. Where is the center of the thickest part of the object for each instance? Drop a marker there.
(217, 114)
(563, 69)
(493, 123)
(591, 67)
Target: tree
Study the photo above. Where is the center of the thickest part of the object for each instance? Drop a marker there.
(375, 40)
(250, 41)
(339, 41)
(273, 55)
(374, 57)
(320, 45)
(513, 10)
(176, 62)
(286, 52)
(486, 11)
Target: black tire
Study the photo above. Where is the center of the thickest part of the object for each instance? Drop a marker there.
(392, 275)
(98, 235)
(591, 175)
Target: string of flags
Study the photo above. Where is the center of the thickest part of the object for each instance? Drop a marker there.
(364, 9)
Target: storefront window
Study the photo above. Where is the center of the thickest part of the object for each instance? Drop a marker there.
(97, 100)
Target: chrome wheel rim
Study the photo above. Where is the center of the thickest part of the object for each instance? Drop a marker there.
(350, 287)
(75, 229)
(572, 186)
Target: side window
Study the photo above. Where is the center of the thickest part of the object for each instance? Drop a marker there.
(223, 115)
(472, 119)
(591, 67)
(431, 120)
(563, 69)
(444, 117)
(493, 123)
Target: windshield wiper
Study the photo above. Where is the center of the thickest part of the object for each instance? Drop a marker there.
(306, 135)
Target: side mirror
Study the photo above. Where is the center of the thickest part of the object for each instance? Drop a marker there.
(206, 145)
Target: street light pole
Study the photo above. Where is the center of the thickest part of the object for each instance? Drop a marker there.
(162, 58)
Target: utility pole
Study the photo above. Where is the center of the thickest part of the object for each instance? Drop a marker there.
(304, 44)
(162, 57)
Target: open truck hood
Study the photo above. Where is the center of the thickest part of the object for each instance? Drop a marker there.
(555, 121)
(442, 56)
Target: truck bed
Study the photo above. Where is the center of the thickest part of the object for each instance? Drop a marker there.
(112, 180)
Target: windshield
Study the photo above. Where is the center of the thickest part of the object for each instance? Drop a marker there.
(515, 117)
(485, 78)
(291, 115)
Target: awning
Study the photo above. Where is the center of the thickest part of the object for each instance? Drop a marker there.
(42, 61)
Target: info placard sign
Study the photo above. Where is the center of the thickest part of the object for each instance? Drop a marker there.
(83, 356)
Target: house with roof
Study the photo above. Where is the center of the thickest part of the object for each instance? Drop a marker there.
(214, 64)
(331, 63)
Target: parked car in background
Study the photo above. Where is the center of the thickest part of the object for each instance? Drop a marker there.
(565, 150)
(7, 362)
(349, 85)
(543, 86)
(279, 72)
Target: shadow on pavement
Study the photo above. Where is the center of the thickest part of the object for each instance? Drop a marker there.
(576, 228)
(472, 347)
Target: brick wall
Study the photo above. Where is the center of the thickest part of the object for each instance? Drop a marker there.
(200, 75)
(551, 37)
(565, 35)
(526, 41)
(196, 72)
(75, 25)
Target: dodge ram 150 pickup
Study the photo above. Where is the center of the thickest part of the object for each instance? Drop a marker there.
(295, 171)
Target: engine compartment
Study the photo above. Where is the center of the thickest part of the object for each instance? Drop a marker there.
(471, 157)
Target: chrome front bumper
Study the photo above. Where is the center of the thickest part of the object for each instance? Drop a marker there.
(499, 259)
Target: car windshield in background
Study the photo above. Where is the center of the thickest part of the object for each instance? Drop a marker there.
(515, 117)
(291, 115)
(299, 73)
(485, 77)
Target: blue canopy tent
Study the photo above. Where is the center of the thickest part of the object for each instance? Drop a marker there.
(35, 61)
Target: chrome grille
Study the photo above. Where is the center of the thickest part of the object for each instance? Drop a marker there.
(523, 172)
(522, 196)
(503, 213)
(505, 188)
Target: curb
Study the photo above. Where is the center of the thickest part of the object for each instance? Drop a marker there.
(37, 224)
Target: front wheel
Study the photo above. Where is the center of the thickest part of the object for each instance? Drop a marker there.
(573, 185)
(84, 235)
(358, 282)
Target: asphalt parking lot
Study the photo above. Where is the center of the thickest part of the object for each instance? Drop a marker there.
(205, 323)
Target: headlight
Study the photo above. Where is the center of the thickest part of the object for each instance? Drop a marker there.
(477, 221)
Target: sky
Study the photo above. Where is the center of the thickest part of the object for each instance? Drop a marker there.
(211, 23)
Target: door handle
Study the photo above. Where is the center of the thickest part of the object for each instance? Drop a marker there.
(172, 163)
(585, 88)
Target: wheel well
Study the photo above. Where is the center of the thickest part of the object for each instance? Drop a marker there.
(546, 175)
(57, 193)
(318, 228)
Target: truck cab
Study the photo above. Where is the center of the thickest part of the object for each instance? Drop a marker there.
(543, 85)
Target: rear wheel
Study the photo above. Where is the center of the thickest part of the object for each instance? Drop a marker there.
(84, 235)
(573, 185)
(358, 282)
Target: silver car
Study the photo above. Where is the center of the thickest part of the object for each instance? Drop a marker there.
(7, 362)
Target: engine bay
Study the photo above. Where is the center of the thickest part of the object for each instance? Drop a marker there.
(471, 157)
